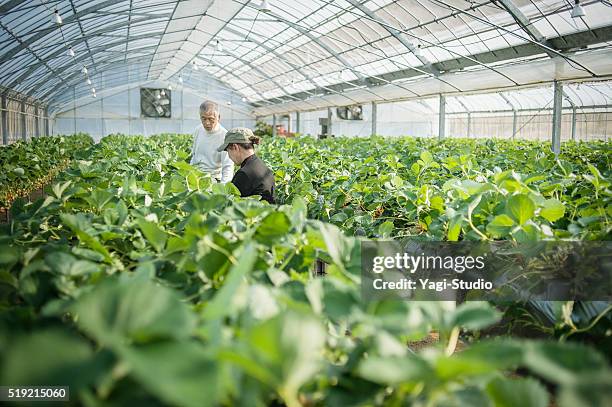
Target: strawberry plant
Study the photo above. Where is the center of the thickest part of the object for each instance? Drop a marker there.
(27, 166)
(139, 281)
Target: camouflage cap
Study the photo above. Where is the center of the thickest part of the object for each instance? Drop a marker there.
(236, 135)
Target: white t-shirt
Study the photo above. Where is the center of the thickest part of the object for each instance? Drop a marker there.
(205, 156)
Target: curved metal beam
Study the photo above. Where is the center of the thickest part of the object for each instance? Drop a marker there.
(71, 80)
(288, 62)
(430, 70)
(10, 5)
(81, 57)
(275, 53)
(43, 33)
(544, 47)
(261, 72)
(317, 41)
(223, 68)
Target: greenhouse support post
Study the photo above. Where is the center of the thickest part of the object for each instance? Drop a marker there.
(469, 124)
(329, 121)
(274, 125)
(47, 130)
(102, 117)
(374, 118)
(441, 129)
(289, 123)
(24, 133)
(514, 117)
(574, 123)
(4, 121)
(556, 125)
(36, 121)
(74, 107)
(298, 122)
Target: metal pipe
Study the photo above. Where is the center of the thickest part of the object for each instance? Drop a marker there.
(4, 121)
(36, 121)
(374, 118)
(24, 133)
(556, 120)
(442, 117)
(469, 123)
(574, 123)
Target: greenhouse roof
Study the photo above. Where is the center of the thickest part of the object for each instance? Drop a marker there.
(302, 55)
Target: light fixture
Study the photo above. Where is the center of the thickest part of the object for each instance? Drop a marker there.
(229, 103)
(169, 87)
(93, 90)
(94, 95)
(56, 17)
(265, 7)
(88, 81)
(417, 51)
(158, 96)
(219, 46)
(244, 99)
(180, 79)
(163, 92)
(578, 11)
(195, 66)
(71, 52)
(84, 70)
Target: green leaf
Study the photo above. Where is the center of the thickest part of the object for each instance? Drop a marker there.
(9, 256)
(500, 226)
(179, 373)
(519, 392)
(289, 346)
(133, 308)
(154, 234)
(394, 370)
(274, 226)
(81, 226)
(220, 305)
(521, 208)
(552, 210)
(454, 228)
(67, 264)
(426, 157)
(475, 315)
(385, 229)
(562, 362)
(49, 357)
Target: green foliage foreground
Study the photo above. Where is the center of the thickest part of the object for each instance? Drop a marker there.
(138, 282)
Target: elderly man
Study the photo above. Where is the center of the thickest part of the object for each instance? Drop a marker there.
(206, 139)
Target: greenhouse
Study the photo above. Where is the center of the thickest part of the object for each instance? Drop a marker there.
(306, 203)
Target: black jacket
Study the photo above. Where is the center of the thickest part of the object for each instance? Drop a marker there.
(255, 178)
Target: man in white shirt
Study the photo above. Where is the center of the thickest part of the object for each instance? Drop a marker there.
(207, 137)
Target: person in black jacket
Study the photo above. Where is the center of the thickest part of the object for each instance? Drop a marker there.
(253, 177)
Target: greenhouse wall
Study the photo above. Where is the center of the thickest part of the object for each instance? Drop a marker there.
(120, 113)
(21, 120)
(393, 119)
(590, 125)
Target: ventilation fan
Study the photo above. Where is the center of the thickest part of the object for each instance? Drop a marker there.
(353, 112)
(155, 102)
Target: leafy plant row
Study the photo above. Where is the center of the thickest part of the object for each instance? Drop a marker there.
(453, 189)
(27, 166)
(139, 282)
